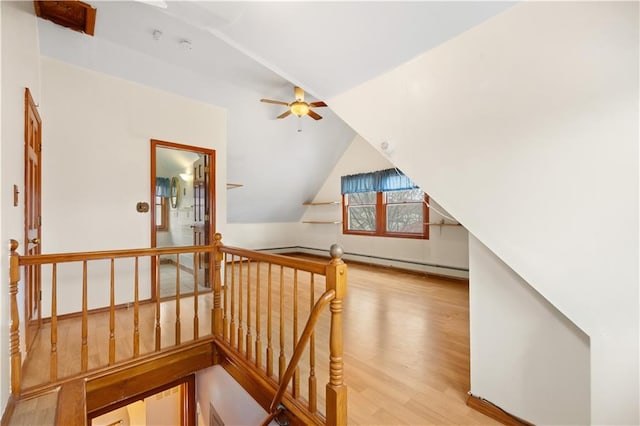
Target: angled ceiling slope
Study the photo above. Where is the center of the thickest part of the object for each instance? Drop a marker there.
(244, 51)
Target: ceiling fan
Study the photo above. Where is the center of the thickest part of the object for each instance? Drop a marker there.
(298, 107)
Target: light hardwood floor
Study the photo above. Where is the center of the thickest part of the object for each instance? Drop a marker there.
(406, 345)
(407, 349)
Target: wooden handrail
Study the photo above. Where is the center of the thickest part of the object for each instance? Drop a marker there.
(247, 263)
(280, 260)
(297, 354)
(85, 258)
(42, 259)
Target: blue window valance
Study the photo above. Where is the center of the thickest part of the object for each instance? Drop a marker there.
(380, 181)
(163, 187)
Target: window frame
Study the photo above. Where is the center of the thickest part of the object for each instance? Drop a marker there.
(164, 216)
(381, 220)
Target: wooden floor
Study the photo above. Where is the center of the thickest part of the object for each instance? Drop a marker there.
(406, 347)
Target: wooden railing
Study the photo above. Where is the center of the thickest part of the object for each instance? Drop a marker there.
(77, 348)
(264, 296)
(252, 318)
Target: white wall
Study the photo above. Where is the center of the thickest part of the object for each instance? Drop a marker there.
(232, 403)
(96, 163)
(446, 246)
(525, 128)
(20, 69)
(546, 372)
(257, 236)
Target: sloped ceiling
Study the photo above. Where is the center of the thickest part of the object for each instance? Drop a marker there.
(240, 52)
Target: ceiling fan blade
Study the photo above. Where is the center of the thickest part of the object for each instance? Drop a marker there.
(285, 114)
(271, 101)
(314, 115)
(317, 104)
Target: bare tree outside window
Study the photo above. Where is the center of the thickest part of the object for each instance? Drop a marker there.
(405, 211)
(362, 211)
(391, 213)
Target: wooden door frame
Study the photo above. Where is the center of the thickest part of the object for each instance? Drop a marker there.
(155, 143)
(32, 326)
(187, 400)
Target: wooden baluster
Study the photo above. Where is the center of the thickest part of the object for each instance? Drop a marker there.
(295, 382)
(14, 330)
(196, 321)
(281, 359)
(336, 390)
(53, 370)
(157, 283)
(216, 313)
(313, 398)
(258, 304)
(84, 357)
(240, 310)
(112, 316)
(249, 343)
(225, 311)
(136, 312)
(269, 327)
(177, 299)
(232, 331)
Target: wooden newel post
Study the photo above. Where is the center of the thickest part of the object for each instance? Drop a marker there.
(16, 357)
(336, 411)
(216, 323)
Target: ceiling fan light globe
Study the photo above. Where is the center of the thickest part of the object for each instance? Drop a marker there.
(299, 108)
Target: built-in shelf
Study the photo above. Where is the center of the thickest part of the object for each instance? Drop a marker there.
(321, 203)
(330, 222)
(234, 185)
(443, 224)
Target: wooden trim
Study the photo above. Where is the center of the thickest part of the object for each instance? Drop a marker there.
(72, 408)
(301, 264)
(75, 15)
(133, 380)
(164, 214)
(43, 259)
(381, 219)
(187, 403)
(488, 409)
(211, 208)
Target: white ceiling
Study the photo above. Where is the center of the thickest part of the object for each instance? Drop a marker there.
(243, 51)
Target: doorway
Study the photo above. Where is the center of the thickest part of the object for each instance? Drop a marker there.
(183, 213)
(170, 404)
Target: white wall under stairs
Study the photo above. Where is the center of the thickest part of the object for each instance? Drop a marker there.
(216, 387)
(525, 128)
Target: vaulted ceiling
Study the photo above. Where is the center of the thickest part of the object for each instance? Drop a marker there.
(232, 54)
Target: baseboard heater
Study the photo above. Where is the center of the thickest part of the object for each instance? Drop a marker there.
(433, 268)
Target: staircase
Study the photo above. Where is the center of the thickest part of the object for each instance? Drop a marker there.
(93, 361)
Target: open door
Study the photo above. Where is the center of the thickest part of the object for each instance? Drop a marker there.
(33, 213)
(201, 212)
(184, 212)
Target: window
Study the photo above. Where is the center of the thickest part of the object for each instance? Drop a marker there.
(162, 214)
(384, 204)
